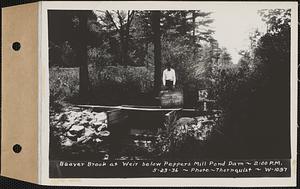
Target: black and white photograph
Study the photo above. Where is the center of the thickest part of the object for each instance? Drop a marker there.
(201, 92)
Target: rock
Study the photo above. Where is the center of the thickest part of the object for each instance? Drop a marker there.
(75, 126)
(76, 129)
(84, 123)
(101, 116)
(67, 125)
(79, 139)
(62, 117)
(98, 124)
(103, 133)
(73, 120)
(103, 126)
(67, 142)
(84, 139)
(70, 135)
(98, 140)
(185, 121)
(89, 132)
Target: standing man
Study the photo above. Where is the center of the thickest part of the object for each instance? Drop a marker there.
(169, 77)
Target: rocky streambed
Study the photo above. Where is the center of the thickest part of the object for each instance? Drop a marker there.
(76, 130)
(84, 133)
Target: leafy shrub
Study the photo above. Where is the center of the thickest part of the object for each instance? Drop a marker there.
(63, 84)
(108, 85)
(118, 84)
(186, 137)
(139, 77)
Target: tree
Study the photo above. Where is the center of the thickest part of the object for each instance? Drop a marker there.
(194, 25)
(62, 36)
(119, 21)
(277, 20)
(80, 46)
(155, 21)
(273, 51)
(255, 94)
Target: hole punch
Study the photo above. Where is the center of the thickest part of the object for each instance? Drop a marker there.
(16, 46)
(17, 148)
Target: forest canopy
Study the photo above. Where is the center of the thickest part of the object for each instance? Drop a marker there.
(125, 39)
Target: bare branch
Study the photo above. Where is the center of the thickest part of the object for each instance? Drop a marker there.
(120, 19)
(130, 16)
(112, 20)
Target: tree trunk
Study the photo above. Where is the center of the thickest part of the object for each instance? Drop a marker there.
(126, 44)
(81, 49)
(155, 22)
(145, 54)
(122, 46)
(194, 35)
(194, 23)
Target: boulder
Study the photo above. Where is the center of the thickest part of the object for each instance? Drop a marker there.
(67, 125)
(89, 132)
(101, 116)
(67, 142)
(76, 129)
(103, 133)
(70, 135)
(103, 126)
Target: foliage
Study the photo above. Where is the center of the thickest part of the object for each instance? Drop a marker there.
(250, 91)
(99, 56)
(107, 84)
(142, 77)
(62, 54)
(131, 82)
(278, 20)
(128, 32)
(186, 137)
(182, 59)
(64, 84)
